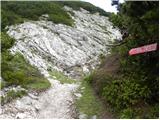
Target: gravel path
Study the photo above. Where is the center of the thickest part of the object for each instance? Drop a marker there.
(56, 102)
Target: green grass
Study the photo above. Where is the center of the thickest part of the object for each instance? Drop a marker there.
(61, 77)
(12, 95)
(88, 104)
(2, 84)
(38, 84)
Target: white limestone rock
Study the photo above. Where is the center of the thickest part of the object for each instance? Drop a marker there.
(64, 48)
(20, 115)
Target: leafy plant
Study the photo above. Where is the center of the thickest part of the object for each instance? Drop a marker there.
(125, 93)
(12, 95)
(17, 71)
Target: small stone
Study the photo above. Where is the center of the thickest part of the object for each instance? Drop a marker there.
(20, 115)
(82, 116)
(37, 107)
(82, 88)
(54, 77)
(94, 117)
(12, 115)
(32, 96)
(18, 87)
(0, 110)
(85, 69)
(78, 95)
(14, 89)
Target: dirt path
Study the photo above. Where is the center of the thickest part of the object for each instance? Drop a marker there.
(56, 102)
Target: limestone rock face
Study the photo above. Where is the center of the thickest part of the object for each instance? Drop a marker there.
(57, 46)
(72, 50)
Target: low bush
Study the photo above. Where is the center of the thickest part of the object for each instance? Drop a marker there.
(6, 41)
(15, 12)
(125, 93)
(12, 95)
(89, 78)
(59, 18)
(76, 5)
(17, 71)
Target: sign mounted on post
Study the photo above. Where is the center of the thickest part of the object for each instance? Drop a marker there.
(143, 49)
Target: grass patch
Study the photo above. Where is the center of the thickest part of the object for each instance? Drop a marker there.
(88, 104)
(61, 77)
(12, 95)
(38, 84)
(2, 84)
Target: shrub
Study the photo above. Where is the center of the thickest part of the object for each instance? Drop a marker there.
(6, 41)
(125, 93)
(89, 78)
(59, 18)
(14, 77)
(127, 113)
(16, 12)
(12, 95)
(17, 71)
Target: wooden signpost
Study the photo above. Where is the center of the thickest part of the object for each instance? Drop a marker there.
(143, 49)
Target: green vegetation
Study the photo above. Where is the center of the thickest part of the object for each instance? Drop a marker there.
(14, 12)
(61, 77)
(38, 83)
(125, 93)
(132, 89)
(2, 84)
(12, 95)
(6, 42)
(17, 71)
(76, 5)
(88, 104)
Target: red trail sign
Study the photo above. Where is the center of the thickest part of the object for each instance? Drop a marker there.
(143, 49)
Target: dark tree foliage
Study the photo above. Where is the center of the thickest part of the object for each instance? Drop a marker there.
(143, 29)
(133, 91)
(141, 21)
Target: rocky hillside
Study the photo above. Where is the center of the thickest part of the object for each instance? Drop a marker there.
(73, 50)
(70, 49)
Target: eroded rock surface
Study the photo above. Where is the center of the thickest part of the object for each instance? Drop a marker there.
(72, 50)
(57, 46)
